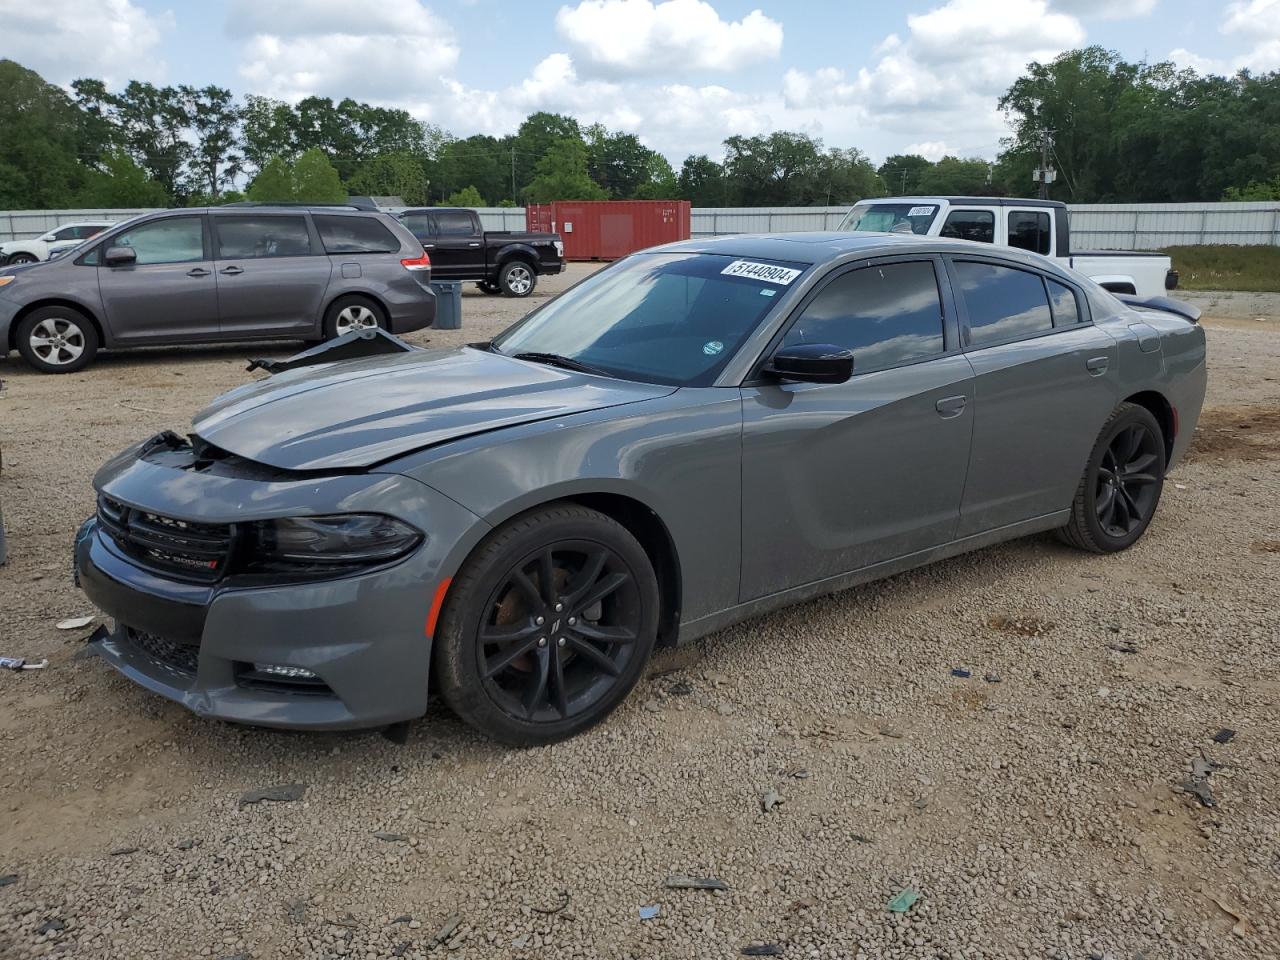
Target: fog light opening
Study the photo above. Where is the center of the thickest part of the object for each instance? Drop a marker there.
(288, 673)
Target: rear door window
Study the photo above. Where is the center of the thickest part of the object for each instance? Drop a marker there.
(255, 237)
(454, 223)
(1002, 303)
(355, 235)
(1029, 230)
(976, 225)
(886, 314)
(419, 224)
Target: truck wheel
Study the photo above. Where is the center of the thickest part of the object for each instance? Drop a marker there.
(517, 279)
(57, 340)
(351, 313)
(547, 626)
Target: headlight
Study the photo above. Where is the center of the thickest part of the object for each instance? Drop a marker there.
(5, 281)
(357, 539)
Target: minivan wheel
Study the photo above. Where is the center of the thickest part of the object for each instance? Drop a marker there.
(1121, 486)
(517, 279)
(19, 258)
(350, 314)
(57, 340)
(547, 627)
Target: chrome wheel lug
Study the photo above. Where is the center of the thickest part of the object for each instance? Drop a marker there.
(539, 620)
(559, 607)
(560, 642)
(542, 641)
(572, 621)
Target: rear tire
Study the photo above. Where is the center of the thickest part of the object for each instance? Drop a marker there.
(57, 339)
(351, 313)
(517, 278)
(547, 626)
(1121, 486)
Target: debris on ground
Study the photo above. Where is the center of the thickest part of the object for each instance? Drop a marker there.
(186, 844)
(284, 793)
(52, 926)
(991, 677)
(675, 882)
(123, 851)
(1225, 735)
(1198, 785)
(7, 879)
(75, 623)
(447, 929)
(648, 913)
(961, 672)
(548, 911)
(762, 950)
(770, 800)
(21, 663)
(1242, 927)
(904, 900)
(1128, 648)
(391, 837)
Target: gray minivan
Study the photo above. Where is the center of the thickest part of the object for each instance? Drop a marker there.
(215, 275)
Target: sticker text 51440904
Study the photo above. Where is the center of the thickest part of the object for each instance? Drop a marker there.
(769, 272)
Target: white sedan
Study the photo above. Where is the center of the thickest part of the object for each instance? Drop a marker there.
(46, 245)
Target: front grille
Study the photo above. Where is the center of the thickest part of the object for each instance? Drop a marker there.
(180, 656)
(192, 551)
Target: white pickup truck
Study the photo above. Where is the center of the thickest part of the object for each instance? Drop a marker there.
(1041, 226)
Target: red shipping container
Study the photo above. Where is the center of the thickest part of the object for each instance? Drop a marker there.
(609, 229)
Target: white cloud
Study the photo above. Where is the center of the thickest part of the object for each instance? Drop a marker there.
(1106, 9)
(945, 76)
(933, 150)
(619, 37)
(62, 40)
(322, 47)
(1256, 20)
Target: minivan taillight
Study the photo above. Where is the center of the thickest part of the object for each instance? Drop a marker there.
(417, 263)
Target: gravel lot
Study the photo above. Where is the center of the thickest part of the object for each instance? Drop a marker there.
(1033, 803)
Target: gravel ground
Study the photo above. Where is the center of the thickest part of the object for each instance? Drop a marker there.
(1032, 803)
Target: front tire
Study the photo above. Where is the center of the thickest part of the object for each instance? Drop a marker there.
(350, 314)
(1122, 482)
(547, 626)
(20, 258)
(517, 278)
(57, 340)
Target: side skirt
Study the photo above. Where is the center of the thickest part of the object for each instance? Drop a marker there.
(694, 629)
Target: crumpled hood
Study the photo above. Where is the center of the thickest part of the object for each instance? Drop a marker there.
(362, 412)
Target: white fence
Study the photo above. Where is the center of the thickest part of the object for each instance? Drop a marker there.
(1114, 226)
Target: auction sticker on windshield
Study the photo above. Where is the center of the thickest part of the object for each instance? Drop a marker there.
(770, 273)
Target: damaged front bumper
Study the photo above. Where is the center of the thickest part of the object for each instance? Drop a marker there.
(349, 652)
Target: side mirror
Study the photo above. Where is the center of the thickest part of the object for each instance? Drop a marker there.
(812, 363)
(120, 257)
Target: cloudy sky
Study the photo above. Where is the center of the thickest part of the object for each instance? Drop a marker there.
(919, 75)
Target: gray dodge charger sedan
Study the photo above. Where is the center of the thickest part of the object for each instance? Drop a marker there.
(699, 433)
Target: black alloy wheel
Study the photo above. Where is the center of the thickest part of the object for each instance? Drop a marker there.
(1121, 486)
(547, 626)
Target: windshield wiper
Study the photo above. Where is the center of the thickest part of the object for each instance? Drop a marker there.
(556, 360)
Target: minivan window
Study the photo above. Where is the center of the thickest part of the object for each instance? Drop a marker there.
(171, 240)
(1002, 303)
(456, 223)
(976, 225)
(1029, 230)
(887, 315)
(355, 235)
(253, 237)
(1062, 298)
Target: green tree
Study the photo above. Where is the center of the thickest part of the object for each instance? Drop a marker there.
(952, 176)
(702, 182)
(480, 161)
(901, 173)
(466, 197)
(316, 180)
(154, 123)
(274, 182)
(41, 134)
(215, 162)
(121, 183)
(535, 137)
(391, 175)
(844, 177)
(266, 130)
(660, 181)
(562, 175)
(1254, 191)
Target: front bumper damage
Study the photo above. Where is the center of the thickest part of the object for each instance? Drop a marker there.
(362, 636)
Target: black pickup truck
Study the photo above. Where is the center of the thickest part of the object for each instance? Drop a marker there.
(500, 261)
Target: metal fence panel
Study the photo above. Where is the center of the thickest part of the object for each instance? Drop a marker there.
(1098, 226)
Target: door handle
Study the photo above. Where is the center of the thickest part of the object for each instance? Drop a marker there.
(428, 246)
(198, 272)
(949, 407)
(231, 271)
(1097, 366)
(474, 244)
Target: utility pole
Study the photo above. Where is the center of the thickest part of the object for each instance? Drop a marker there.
(1044, 174)
(513, 174)
(904, 182)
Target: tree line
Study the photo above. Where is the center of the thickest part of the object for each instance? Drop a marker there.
(1118, 131)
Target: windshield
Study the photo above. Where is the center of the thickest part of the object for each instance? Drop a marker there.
(889, 218)
(671, 318)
